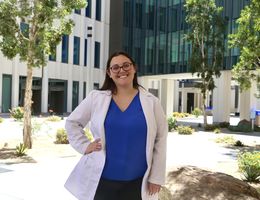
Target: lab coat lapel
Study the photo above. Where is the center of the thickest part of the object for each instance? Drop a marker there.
(103, 114)
(147, 109)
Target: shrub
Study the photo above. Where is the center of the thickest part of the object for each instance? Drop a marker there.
(17, 113)
(51, 112)
(54, 118)
(217, 130)
(211, 127)
(1, 119)
(186, 114)
(223, 124)
(185, 130)
(172, 123)
(249, 165)
(89, 135)
(226, 140)
(21, 150)
(238, 143)
(178, 115)
(197, 112)
(243, 126)
(36, 126)
(61, 136)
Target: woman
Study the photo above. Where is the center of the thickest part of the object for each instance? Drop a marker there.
(127, 159)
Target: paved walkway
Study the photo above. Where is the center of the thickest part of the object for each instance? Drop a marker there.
(45, 179)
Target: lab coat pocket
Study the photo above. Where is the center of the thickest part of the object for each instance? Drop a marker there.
(78, 179)
(84, 178)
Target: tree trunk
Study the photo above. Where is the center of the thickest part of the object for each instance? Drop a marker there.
(204, 110)
(27, 139)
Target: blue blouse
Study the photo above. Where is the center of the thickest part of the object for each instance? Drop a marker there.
(125, 134)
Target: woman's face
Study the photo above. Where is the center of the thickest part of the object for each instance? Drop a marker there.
(122, 71)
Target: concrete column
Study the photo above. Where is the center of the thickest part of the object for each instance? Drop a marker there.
(58, 52)
(248, 101)
(144, 81)
(167, 100)
(184, 101)
(82, 51)
(81, 82)
(182, 97)
(176, 96)
(90, 63)
(71, 48)
(221, 97)
(45, 90)
(15, 82)
(198, 101)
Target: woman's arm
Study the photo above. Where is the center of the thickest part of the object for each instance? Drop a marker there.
(158, 168)
(76, 122)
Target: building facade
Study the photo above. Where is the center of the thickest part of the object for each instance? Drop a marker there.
(75, 69)
(153, 33)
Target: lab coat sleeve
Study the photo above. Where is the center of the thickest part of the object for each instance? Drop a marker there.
(76, 122)
(158, 168)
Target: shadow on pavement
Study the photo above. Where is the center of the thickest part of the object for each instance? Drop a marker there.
(8, 156)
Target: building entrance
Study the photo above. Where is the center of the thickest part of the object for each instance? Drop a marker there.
(36, 93)
(190, 102)
(57, 96)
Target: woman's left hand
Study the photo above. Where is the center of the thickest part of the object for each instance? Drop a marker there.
(153, 188)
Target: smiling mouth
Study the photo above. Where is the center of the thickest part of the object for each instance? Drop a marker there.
(123, 76)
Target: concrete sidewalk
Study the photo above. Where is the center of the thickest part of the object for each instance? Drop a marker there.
(44, 180)
(36, 181)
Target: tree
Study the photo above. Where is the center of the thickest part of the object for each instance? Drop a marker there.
(31, 29)
(206, 33)
(247, 39)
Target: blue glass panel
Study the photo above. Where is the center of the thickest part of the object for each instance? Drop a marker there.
(65, 49)
(76, 50)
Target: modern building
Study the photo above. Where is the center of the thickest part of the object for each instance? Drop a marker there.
(153, 33)
(77, 67)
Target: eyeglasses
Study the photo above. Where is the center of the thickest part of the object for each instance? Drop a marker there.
(125, 66)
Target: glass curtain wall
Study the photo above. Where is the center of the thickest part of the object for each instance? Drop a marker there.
(153, 34)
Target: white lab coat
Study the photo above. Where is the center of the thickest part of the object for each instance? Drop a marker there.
(83, 180)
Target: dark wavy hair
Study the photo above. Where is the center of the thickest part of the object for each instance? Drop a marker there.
(109, 83)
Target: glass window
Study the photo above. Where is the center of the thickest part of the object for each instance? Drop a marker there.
(150, 16)
(237, 6)
(76, 50)
(173, 19)
(75, 94)
(162, 19)
(97, 55)
(137, 55)
(126, 12)
(88, 9)
(138, 15)
(77, 11)
(52, 56)
(24, 29)
(174, 2)
(65, 49)
(6, 93)
(85, 52)
(84, 89)
(162, 49)
(174, 47)
(96, 86)
(149, 43)
(98, 10)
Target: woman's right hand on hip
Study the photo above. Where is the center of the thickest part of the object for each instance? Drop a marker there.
(94, 146)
